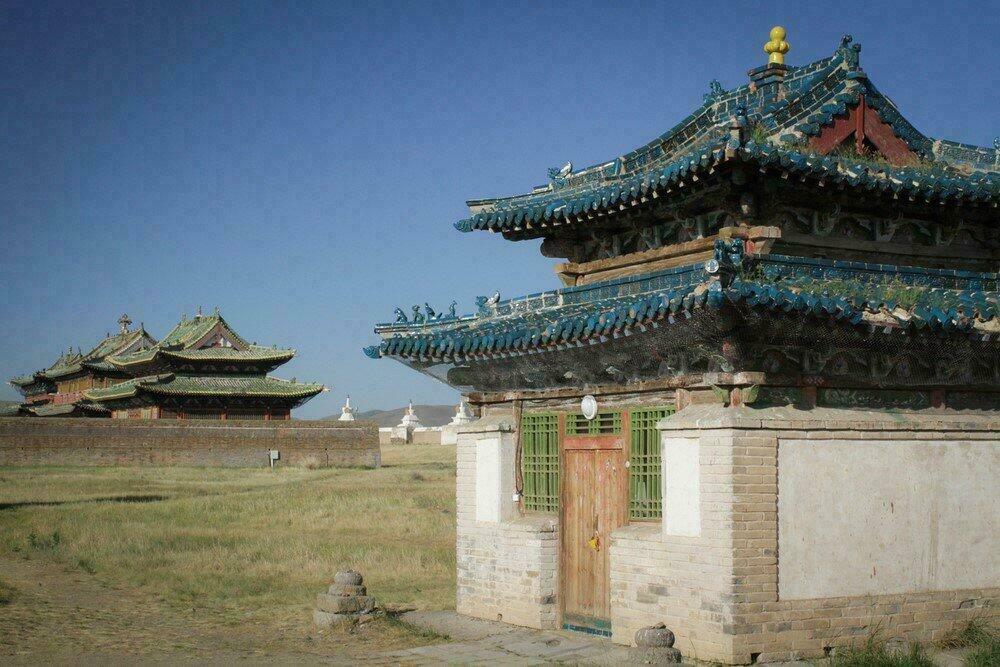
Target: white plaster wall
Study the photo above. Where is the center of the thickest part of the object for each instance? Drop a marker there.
(878, 517)
(681, 486)
(488, 480)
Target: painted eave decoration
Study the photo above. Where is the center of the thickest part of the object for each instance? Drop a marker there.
(821, 105)
(861, 294)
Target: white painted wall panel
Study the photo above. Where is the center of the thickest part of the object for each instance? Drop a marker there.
(681, 486)
(488, 480)
(878, 517)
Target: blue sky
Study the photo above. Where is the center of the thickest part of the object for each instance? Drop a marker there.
(300, 165)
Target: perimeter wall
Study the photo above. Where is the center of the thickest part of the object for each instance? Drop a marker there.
(230, 443)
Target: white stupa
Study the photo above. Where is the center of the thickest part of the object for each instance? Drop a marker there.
(403, 431)
(410, 419)
(346, 412)
(462, 414)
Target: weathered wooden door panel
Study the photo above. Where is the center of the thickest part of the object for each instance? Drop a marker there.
(595, 502)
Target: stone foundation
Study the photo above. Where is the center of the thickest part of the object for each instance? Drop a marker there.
(230, 443)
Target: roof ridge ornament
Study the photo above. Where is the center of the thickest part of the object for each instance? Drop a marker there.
(777, 47)
(851, 53)
(715, 90)
(558, 175)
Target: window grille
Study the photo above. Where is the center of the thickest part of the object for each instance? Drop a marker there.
(645, 484)
(605, 423)
(540, 462)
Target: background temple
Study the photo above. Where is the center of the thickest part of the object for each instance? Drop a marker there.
(202, 369)
(791, 280)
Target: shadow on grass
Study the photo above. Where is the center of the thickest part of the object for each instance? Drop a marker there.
(106, 499)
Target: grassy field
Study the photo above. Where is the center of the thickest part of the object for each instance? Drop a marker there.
(136, 561)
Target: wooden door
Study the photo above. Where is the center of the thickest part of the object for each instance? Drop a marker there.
(594, 503)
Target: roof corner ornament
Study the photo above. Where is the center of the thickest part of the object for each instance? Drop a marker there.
(715, 90)
(727, 260)
(488, 306)
(737, 131)
(418, 317)
(558, 175)
(777, 47)
(400, 316)
(373, 351)
(851, 53)
(124, 323)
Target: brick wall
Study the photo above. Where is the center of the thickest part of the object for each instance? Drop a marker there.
(506, 568)
(719, 591)
(40, 441)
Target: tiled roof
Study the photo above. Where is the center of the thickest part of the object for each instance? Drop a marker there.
(23, 380)
(188, 331)
(179, 342)
(253, 353)
(851, 292)
(170, 383)
(70, 363)
(814, 95)
(555, 207)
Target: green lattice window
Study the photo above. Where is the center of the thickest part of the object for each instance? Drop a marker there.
(605, 423)
(540, 462)
(644, 479)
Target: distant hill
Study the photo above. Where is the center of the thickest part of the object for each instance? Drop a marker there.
(430, 415)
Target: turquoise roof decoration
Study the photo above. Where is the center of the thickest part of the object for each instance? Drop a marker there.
(873, 295)
(775, 133)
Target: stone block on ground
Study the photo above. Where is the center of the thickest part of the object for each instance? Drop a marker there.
(348, 577)
(347, 589)
(653, 655)
(325, 620)
(340, 604)
(654, 636)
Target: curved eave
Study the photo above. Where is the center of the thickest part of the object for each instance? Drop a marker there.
(974, 315)
(913, 183)
(270, 357)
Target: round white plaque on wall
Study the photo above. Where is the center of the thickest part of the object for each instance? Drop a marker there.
(588, 406)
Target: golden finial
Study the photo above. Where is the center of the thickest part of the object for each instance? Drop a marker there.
(777, 47)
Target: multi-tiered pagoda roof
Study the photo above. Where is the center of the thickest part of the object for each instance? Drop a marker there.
(797, 229)
(203, 358)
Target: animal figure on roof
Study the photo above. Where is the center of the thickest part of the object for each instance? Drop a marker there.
(418, 317)
(400, 316)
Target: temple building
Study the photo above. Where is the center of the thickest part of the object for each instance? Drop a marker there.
(58, 390)
(202, 369)
(764, 406)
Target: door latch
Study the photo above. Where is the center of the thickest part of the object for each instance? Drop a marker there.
(594, 543)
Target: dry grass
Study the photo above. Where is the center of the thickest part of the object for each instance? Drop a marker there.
(237, 553)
